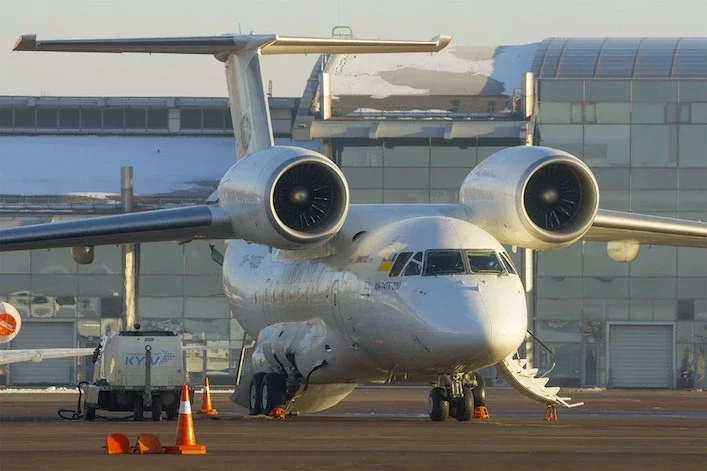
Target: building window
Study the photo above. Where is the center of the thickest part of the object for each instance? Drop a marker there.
(157, 119)
(91, 119)
(47, 118)
(113, 118)
(25, 118)
(135, 119)
(69, 118)
(6, 120)
(213, 119)
(190, 119)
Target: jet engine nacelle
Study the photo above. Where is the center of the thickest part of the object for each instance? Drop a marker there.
(533, 197)
(10, 322)
(285, 197)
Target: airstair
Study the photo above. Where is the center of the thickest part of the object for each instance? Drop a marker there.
(526, 381)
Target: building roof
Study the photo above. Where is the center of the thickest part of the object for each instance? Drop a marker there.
(634, 58)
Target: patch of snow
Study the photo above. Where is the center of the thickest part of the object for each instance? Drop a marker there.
(48, 390)
(361, 74)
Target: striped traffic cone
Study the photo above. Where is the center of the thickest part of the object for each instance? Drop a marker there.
(186, 441)
(206, 400)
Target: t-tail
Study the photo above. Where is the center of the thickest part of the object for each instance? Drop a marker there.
(241, 55)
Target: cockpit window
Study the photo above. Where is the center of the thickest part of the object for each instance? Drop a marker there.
(399, 263)
(508, 263)
(414, 267)
(443, 262)
(484, 261)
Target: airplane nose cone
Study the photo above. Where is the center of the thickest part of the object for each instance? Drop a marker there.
(471, 324)
(508, 316)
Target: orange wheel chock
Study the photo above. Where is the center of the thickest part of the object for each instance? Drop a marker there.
(117, 444)
(481, 412)
(277, 413)
(551, 412)
(148, 444)
(206, 408)
(186, 440)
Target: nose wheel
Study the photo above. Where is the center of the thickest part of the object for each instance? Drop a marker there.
(461, 398)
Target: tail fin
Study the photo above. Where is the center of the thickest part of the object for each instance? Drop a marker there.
(241, 53)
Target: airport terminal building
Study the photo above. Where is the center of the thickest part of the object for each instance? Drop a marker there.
(403, 129)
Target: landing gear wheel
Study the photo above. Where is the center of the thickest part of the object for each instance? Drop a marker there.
(438, 405)
(157, 408)
(464, 409)
(89, 413)
(272, 392)
(255, 399)
(479, 391)
(137, 408)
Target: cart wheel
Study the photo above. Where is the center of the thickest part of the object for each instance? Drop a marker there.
(156, 408)
(89, 413)
(137, 408)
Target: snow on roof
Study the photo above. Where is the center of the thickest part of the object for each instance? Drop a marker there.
(89, 166)
(457, 70)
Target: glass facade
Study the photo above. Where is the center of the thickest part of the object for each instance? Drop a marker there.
(411, 170)
(180, 289)
(646, 142)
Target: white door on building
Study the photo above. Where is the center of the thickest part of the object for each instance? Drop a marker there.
(43, 335)
(641, 356)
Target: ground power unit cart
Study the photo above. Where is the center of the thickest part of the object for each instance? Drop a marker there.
(137, 371)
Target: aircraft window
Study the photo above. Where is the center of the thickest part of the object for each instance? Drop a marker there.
(443, 262)
(414, 267)
(484, 261)
(509, 264)
(399, 263)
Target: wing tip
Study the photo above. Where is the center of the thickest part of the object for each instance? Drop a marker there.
(26, 42)
(442, 41)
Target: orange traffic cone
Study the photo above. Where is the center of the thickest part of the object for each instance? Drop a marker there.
(551, 412)
(206, 400)
(481, 412)
(186, 441)
(117, 444)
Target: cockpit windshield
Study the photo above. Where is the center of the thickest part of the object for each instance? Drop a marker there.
(443, 262)
(484, 261)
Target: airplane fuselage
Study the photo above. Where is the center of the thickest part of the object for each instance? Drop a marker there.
(367, 317)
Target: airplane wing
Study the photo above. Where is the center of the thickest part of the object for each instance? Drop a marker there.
(192, 222)
(14, 356)
(644, 229)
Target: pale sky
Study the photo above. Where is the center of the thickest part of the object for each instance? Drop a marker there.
(469, 22)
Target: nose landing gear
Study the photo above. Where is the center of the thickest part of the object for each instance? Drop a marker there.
(463, 396)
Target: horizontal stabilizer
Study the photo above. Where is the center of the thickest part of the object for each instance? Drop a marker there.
(228, 43)
(192, 222)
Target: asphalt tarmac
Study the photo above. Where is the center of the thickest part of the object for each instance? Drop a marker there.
(381, 428)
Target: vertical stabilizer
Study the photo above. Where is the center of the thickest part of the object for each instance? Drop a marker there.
(249, 103)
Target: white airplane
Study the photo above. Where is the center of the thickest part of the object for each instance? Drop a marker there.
(339, 294)
(10, 326)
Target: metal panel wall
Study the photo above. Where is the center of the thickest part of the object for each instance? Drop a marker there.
(641, 356)
(44, 335)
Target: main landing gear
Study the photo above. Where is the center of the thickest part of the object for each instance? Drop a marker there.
(463, 396)
(267, 391)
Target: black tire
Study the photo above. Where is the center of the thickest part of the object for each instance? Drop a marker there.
(89, 413)
(273, 392)
(157, 408)
(172, 411)
(479, 391)
(137, 407)
(438, 405)
(464, 409)
(255, 399)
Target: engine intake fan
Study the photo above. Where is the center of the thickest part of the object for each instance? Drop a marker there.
(553, 196)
